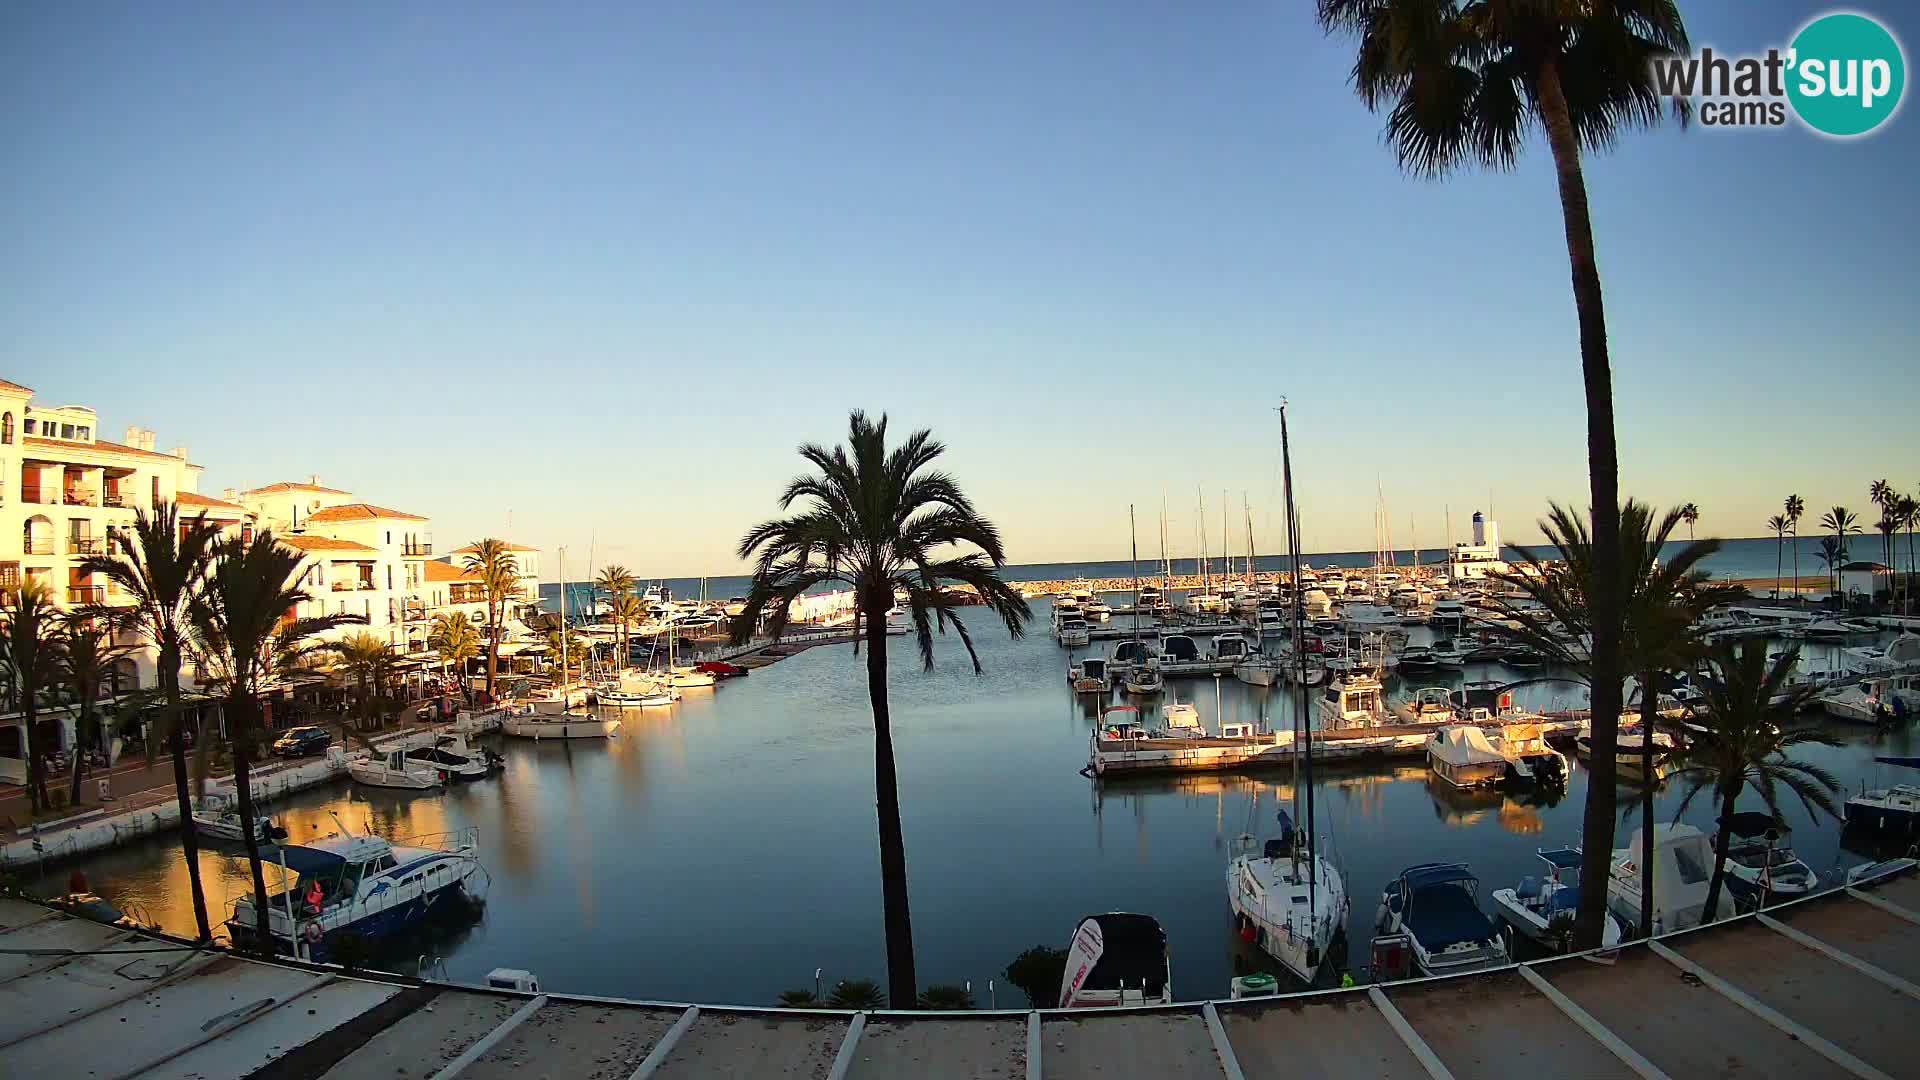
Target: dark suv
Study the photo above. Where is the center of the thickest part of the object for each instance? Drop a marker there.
(302, 741)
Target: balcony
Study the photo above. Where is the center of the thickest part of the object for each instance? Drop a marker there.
(39, 547)
(87, 545)
(417, 549)
(81, 497)
(352, 586)
(114, 499)
(86, 594)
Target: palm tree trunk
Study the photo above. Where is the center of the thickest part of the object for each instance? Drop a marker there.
(1796, 562)
(1603, 469)
(177, 748)
(36, 786)
(79, 738)
(1777, 553)
(1727, 799)
(242, 730)
(1649, 712)
(493, 645)
(902, 985)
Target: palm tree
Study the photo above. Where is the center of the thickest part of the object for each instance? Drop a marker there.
(1795, 507)
(1831, 555)
(626, 610)
(884, 523)
(1466, 82)
(1889, 526)
(1661, 599)
(1778, 524)
(1744, 741)
(367, 657)
(87, 660)
(1909, 511)
(29, 666)
(1690, 514)
(454, 637)
(857, 994)
(616, 582)
(499, 575)
(242, 621)
(1882, 494)
(576, 652)
(1841, 522)
(159, 564)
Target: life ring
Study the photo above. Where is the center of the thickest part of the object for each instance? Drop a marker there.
(313, 933)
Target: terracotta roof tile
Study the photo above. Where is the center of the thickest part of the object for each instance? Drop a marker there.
(321, 543)
(14, 386)
(471, 548)
(100, 445)
(284, 486)
(439, 571)
(360, 512)
(190, 498)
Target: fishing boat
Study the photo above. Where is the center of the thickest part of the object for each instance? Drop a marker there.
(394, 769)
(1290, 900)
(1542, 909)
(1436, 908)
(218, 818)
(365, 887)
(1682, 867)
(1116, 959)
(1090, 676)
(451, 754)
(1761, 864)
(1461, 755)
(1353, 701)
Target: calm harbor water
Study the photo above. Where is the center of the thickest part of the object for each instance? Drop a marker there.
(723, 850)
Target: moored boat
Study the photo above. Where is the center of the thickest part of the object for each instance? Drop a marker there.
(1435, 906)
(218, 818)
(1461, 755)
(1115, 959)
(394, 769)
(1761, 864)
(1542, 909)
(1289, 901)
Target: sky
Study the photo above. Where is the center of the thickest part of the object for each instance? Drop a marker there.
(586, 274)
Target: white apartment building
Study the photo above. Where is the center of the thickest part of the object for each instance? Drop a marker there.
(362, 559)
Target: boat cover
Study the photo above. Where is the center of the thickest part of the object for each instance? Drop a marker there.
(1442, 915)
(1751, 823)
(1134, 951)
(307, 860)
(1564, 858)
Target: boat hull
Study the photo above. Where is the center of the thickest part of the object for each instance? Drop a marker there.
(579, 727)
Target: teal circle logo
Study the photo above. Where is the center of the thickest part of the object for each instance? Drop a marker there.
(1846, 74)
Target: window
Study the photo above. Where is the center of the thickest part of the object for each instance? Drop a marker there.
(83, 432)
(66, 431)
(30, 425)
(156, 492)
(389, 536)
(6, 429)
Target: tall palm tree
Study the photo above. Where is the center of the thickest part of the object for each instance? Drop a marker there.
(87, 660)
(627, 611)
(493, 561)
(1909, 510)
(1690, 513)
(29, 667)
(1831, 555)
(457, 641)
(1778, 524)
(159, 564)
(1743, 740)
(1466, 81)
(1882, 494)
(616, 582)
(1842, 523)
(884, 523)
(1795, 507)
(1661, 599)
(243, 622)
(1889, 527)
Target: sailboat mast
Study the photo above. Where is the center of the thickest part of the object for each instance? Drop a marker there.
(1300, 657)
(563, 630)
(1206, 586)
(1248, 511)
(1133, 538)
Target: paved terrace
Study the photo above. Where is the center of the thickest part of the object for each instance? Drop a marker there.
(1822, 987)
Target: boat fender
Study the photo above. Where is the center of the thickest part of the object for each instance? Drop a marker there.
(314, 933)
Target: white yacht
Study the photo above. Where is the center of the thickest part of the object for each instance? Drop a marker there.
(1682, 867)
(1460, 755)
(366, 887)
(1073, 632)
(1860, 703)
(394, 769)
(1289, 900)
(1542, 909)
(1257, 669)
(1353, 701)
(1117, 959)
(218, 818)
(451, 754)
(560, 714)
(1436, 907)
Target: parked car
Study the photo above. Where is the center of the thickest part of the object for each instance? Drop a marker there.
(303, 742)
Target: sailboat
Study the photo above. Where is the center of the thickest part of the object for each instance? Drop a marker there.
(562, 712)
(1289, 899)
(1143, 677)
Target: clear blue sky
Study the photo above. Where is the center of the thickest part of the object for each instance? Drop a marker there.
(602, 266)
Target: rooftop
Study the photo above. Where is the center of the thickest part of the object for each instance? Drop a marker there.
(439, 571)
(321, 543)
(471, 548)
(97, 445)
(194, 499)
(1819, 987)
(272, 489)
(15, 387)
(360, 512)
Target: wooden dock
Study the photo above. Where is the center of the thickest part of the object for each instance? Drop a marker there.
(1828, 985)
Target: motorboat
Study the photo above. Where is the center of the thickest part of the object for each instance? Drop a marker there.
(1097, 611)
(394, 769)
(560, 715)
(1117, 959)
(1893, 809)
(1073, 632)
(1834, 629)
(1257, 670)
(1178, 649)
(1531, 761)
(1128, 655)
(689, 676)
(1181, 714)
(1353, 701)
(1761, 864)
(1234, 647)
(1542, 909)
(1461, 755)
(1090, 676)
(1629, 752)
(451, 754)
(1149, 599)
(1144, 679)
(1859, 703)
(1417, 660)
(1682, 868)
(1289, 901)
(1429, 705)
(218, 818)
(364, 887)
(1436, 907)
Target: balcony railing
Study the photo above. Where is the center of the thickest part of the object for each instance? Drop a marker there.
(81, 497)
(39, 547)
(353, 586)
(86, 594)
(417, 549)
(114, 498)
(87, 545)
